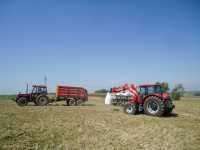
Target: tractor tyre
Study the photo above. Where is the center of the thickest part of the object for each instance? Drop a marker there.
(22, 101)
(168, 111)
(154, 106)
(42, 100)
(130, 108)
(168, 108)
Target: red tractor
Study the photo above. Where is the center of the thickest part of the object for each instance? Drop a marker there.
(148, 98)
(38, 95)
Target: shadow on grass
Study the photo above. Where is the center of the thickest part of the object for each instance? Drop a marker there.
(171, 115)
(52, 105)
(88, 105)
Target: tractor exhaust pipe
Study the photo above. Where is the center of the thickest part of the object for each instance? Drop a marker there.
(27, 88)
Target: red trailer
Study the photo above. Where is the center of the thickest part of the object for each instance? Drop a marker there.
(72, 95)
(40, 96)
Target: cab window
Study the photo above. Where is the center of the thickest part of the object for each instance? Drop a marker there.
(158, 89)
(42, 90)
(34, 90)
(151, 90)
(142, 90)
(154, 89)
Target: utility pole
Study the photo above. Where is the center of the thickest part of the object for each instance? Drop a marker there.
(45, 80)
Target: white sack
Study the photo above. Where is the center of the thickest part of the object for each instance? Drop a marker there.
(126, 93)
(108, 99)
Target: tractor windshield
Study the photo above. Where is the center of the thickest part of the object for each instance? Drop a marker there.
(143, 90)
(154, 89)
(39, 90)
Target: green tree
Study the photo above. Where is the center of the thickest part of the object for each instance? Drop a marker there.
(177, 92)
(164, 85)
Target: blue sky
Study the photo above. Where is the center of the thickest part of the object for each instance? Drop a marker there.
(99, 44)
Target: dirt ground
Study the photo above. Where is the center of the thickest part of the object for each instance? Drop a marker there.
(97, 126)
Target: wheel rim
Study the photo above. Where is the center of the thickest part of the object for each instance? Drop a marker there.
(42, 101)
(72, 102)
(129, 109)
(153, 107)
(79, 102)
(22, 102)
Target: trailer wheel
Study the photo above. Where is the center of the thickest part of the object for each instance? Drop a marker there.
(42, 100)
(130, 108)
(22, 101)
(72, 102)
(79, 102)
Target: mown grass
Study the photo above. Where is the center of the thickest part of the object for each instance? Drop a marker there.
(97, 126)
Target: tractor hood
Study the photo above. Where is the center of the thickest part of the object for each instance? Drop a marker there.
(22, 95)
(166, 95)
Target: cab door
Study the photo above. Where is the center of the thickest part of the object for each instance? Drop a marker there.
(34, 93)
(143, 92)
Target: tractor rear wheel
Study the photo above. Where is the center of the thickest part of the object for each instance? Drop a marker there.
(154, 106)
(130, 108)
(22, 101)
(42, 100)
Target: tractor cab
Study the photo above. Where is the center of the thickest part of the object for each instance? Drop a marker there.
(152, 90)
(38, 90)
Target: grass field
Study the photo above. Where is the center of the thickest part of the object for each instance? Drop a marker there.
(97, 126)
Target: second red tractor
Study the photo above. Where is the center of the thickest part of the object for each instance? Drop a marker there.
(148, 98)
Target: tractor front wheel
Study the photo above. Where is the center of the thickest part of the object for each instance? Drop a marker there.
(22, 101)
(168, 111)
(168, 107)
(130, 108)
(154, 106)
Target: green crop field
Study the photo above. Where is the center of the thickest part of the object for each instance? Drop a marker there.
(7, 97)
(97, 126)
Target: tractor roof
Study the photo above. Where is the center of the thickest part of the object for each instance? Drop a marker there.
(147, 85)
(42, 86)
